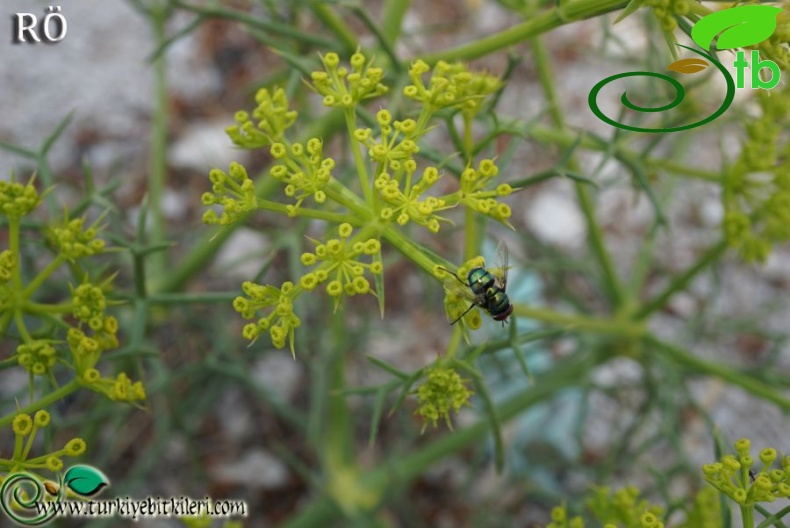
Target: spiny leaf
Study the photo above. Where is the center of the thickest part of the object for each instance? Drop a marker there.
(378, 408)
(630, 9)
(386, 366)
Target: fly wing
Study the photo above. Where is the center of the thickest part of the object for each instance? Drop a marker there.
(454, 287)
(459, 300)
(500, 271)
(462, 294)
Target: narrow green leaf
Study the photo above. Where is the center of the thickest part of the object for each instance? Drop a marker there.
(575, 176)
(306, 66)
(405, 390)
(378, 278)
(641, 178)
(490, 411)
(56, 133)
(629, 10)
(18, 150)
(378, 409)
(513, 337)
(386, 366)
(523, 364)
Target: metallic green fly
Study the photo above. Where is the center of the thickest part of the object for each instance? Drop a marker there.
(485, 289)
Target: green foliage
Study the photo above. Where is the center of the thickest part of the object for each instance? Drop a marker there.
(733, 476)
(389, 192)
(407, 158)
(25, 429)
(623, 508)
(40, 327)
(757, 185)
(395, 180)
(443, 390)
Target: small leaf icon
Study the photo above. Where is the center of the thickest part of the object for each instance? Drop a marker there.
(739, 27)
(85, 480)
(692, 65)
(51, 488)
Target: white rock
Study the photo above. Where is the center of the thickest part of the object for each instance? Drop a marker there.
(684, 304)
(278, 373)
(243, 254)
(257, 469)
(174, 205)
(625, 209)
(777, 267)
(555, 219)
(711, 212)
(205, 146)
(488, 17)
(617, 372)
(630, 30)
(238, 421)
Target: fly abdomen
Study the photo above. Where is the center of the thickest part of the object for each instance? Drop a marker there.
(498, 304)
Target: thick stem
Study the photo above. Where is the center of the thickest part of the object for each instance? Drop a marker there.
(554, 18)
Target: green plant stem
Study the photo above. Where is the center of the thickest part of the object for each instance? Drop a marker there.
(45, 401)
(205, 248)
(14, 247)
(158, 161)
(566, 13)
(396, 473)
(29, 444)
(597, 243)
(565, 139)
(14, 303)
(682, 281)
(470, 218)
(359, 161)
(326, 14)
(5, 320)
(470, 234)
(345, 197)
(620, 327)
(469, 142)
(392, 18)
(692, 363)
(189, 298)
(545, 74)
(384, 42)
(305, 212)
(339, 438)
(17, 455)
(43, 309)
(747, 514)
(19, 318)
(616, 326)
(454, 343)
(43, 275)
(269, 27)
(409, 249)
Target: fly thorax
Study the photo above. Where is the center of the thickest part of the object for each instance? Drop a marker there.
(480, 280)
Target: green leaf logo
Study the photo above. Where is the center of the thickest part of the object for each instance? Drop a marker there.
(739, 27)
(85, 480)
